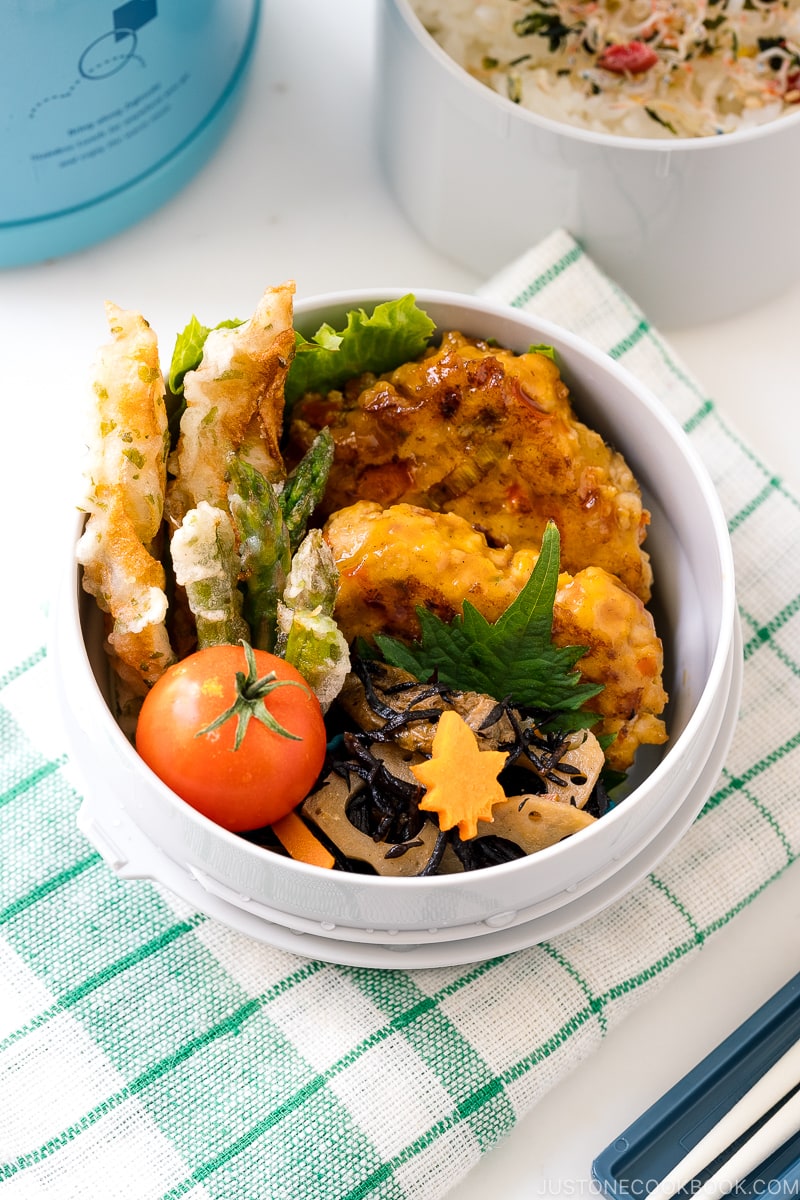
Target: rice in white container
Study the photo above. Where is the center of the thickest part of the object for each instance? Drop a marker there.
(637, 68)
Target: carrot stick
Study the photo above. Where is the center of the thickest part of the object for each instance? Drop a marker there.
(300, 843)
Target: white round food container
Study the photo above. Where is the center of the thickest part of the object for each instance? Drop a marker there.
(144, 830)
(695, 229)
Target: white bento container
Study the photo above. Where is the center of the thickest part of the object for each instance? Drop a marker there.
(695, 229)
(144, 830)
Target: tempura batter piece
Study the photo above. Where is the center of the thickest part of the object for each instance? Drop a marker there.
(234, 403)
(393, 560)
(206, 566)
(128, 442)
(128, 434)
(128, 584)
(478, 431)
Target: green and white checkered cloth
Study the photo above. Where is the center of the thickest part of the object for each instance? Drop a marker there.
(149, 1053)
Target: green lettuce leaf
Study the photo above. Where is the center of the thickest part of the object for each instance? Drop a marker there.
(394, 333)
(188, 351)
(514, 657)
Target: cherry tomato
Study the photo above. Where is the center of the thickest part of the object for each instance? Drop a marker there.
(633, 57)
(194, 715)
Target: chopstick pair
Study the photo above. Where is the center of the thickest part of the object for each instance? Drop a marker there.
(777, 1086)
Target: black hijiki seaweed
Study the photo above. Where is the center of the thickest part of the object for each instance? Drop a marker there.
(397, 718)
(488, 851)
(386, 808)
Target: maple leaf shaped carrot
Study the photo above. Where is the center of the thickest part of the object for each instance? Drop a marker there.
(460, 778)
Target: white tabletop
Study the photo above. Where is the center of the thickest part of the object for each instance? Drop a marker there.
(296, 192)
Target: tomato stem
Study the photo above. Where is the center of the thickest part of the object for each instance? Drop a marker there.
(250, 695)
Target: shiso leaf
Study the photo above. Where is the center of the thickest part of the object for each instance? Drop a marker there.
(513, 658)
(395, 332)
